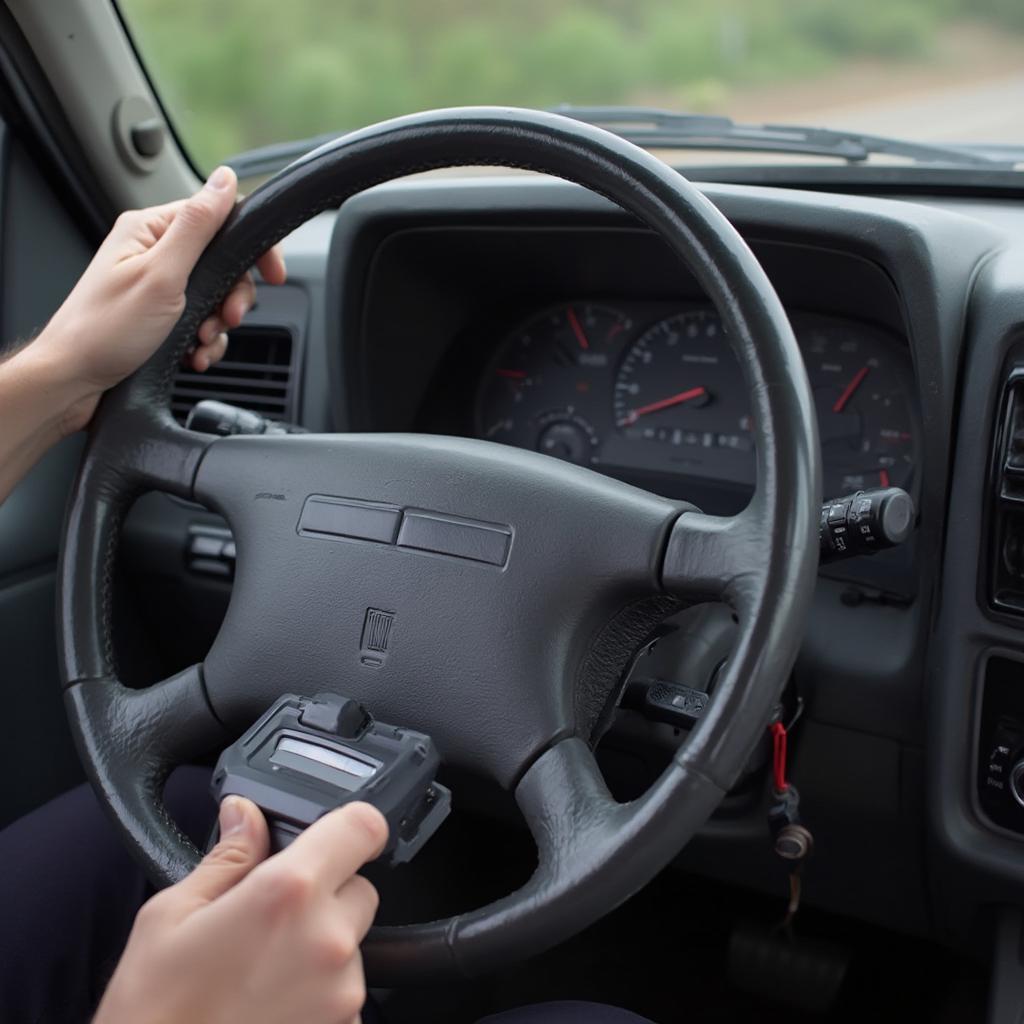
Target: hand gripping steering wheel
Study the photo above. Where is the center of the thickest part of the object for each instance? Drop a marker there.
(518, 586)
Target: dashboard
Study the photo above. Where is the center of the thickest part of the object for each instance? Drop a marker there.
(652, 393)
(531, 313)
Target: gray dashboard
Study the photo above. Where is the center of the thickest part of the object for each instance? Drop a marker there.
(892, 670)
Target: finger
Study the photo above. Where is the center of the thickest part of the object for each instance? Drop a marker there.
(240, 300)
(157, 219)
(335, 847)
(356, 904)
(271, 266)
(209, 329)
(196, 221)
(206, 355)
(244, 842)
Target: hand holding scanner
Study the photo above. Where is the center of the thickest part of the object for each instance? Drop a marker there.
(306, 756)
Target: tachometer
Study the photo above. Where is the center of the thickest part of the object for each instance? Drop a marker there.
(547, 384)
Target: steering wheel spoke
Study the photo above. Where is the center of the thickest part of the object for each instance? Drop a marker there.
(709, 557)
(566, 804)
(147, 450)
(168, 459)
(138, 737)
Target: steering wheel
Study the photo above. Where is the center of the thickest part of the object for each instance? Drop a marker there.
(516, 587)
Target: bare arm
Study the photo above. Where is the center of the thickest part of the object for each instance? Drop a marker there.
(33, 400)
(123, 307)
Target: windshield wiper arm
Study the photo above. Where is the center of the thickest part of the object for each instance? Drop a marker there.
(663, 129)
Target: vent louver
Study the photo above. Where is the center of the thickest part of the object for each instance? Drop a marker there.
(1006, 501)
(255, 374)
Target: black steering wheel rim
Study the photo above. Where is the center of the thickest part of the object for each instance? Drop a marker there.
(593, 852)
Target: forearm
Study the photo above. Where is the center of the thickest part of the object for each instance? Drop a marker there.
(40, 403)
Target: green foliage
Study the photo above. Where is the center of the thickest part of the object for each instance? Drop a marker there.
(1005, 12)
(871, 27)
(236, 74)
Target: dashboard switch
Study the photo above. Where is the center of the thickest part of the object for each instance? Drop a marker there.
(678, 705)
(837, 512)
(1000, 764)
(210, 551)
(1004, 771)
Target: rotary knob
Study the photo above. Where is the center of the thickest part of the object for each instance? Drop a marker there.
(1017, 782)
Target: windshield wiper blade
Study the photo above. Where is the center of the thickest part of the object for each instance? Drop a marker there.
(651, 128)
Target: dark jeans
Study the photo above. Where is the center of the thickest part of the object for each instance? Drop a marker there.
(68, 896)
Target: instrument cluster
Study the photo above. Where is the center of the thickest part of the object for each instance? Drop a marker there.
(648, 392)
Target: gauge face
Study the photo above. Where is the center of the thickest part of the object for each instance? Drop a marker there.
(547, 385)
(864, 415)
(679, 402)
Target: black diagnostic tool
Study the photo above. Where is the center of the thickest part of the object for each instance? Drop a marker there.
(309, 755)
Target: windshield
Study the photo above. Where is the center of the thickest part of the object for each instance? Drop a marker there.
(235, 75)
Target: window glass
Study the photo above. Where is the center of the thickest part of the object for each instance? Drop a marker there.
(240, 74)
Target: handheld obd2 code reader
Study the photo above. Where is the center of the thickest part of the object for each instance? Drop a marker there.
(306, 756)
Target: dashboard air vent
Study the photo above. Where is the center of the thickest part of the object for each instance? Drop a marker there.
(1006, 577)
(255, 374)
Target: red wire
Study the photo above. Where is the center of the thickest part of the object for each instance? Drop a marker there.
(778, 731)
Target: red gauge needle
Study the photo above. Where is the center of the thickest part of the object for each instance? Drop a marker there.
(512, 374)
(848, 391)
(664, 403)
(577, 329)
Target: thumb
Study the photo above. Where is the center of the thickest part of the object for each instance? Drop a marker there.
(244, 842)
(197, 220)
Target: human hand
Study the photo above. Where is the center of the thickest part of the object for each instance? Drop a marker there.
(248, 939)
(133, 292)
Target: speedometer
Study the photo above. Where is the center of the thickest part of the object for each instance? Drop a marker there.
(679, 402)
